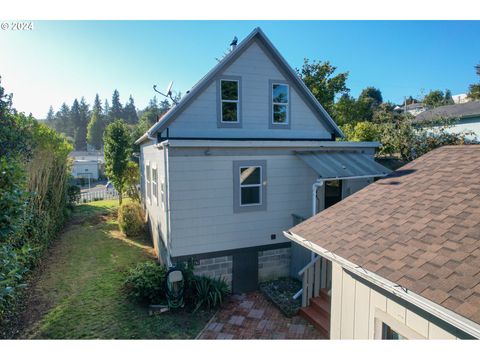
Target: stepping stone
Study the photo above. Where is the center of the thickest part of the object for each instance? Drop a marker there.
(256, 313)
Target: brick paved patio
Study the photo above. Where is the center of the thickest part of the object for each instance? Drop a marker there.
(252, 316)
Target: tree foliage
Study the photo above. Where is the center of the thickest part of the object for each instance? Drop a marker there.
(474, 89)
(322, 81)
(438, 98)
(117, 148)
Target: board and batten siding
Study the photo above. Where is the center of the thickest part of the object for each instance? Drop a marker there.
(155, 211)
(256, 70)
(358, 310)
(202, 210)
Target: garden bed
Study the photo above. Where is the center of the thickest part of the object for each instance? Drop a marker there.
(280, 292)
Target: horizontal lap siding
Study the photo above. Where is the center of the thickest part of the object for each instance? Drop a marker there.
(202, 216)
(256, 69)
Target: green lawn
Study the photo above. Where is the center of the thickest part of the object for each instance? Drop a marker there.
(78, 293)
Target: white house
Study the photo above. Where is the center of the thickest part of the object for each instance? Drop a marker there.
(244, 155)
(402, 254)
(87, 164)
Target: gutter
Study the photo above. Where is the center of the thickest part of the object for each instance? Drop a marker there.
(440, 312)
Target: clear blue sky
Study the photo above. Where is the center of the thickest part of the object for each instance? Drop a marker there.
(61, 60)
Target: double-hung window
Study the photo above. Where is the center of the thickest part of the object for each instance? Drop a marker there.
(155, 183)
(229, 98)
(162, 193)
(249, 185)
(148, 182)
(280, 105)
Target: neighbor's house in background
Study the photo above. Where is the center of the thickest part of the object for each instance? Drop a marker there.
(88, 164)
(404, 253)
(247, 153)
(465, 117)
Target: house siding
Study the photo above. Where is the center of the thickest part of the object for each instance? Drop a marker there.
(256, 69)
(357, 311)
(156, 214)
(202, 211)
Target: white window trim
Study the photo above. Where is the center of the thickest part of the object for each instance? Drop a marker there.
(259, 185)
(287, 104)
(148, 182)
(230, 101)
(155, 197)
(162, 194)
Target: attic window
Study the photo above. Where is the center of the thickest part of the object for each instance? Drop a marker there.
(229, 97)
(280, 104)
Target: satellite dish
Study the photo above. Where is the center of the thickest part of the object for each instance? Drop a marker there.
(168, 92)
(169, 89)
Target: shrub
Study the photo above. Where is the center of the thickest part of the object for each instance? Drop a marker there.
(145, 283)
(74, 194)
(130, 219)
(11, 276)
(210, 292)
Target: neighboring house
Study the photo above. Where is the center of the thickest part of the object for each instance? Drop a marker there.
(88, 164)
(244, 155)
(465, 118)
(403, 253)
(460, 98)
(413, 109)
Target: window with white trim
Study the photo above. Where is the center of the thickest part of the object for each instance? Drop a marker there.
(148, 182)
(249, 183)
(155, 183)
(280, 104)
(229, 96)
(162, 193)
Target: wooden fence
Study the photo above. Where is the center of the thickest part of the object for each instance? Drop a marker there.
(86, 197)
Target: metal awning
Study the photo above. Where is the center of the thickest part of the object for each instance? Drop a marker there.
(342, 164)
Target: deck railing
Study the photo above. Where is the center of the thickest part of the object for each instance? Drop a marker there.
(314, 277)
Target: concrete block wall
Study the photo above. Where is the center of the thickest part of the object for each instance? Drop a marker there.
(215, 267)
(273, 264)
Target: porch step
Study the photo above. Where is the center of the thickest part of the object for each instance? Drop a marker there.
(317, 318)
(321, 305)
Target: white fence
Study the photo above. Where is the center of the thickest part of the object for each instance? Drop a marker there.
(86, 197)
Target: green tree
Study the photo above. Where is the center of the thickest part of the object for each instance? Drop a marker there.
(97, 105)
(116, 140)
(374, 95)
(95, 129)
(320, 79)
(474, 89)
(438, 98)
(50, 120)
(116, 110)
(82, 125)
(362, 131)
(63, 123)
(345, 110)
(130, 112)
(132, 180)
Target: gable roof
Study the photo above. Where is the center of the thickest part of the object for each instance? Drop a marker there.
(455, 111)
(419, 228)
(256, 34)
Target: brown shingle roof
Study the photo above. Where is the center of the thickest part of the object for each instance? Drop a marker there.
(419, 227)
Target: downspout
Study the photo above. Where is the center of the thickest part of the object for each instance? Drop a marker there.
(167, 202)
(316, 185)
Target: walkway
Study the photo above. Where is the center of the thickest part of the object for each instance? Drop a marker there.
(252, 316)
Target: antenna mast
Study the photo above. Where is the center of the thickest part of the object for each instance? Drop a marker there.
(168, 92)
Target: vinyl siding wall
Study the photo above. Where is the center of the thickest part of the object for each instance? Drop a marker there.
(357, 311)
(202, 212)
(156, 213)
(256, 69)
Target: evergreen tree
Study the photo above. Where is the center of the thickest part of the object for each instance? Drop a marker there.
(97, 105)
(62, 121)
(474, 89)
(130, 112)
(116, 111)
(50, 117)
(81, 128)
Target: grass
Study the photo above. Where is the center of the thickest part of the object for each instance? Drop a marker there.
(78, 292)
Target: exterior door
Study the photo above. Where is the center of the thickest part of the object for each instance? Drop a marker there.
(245, 272)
